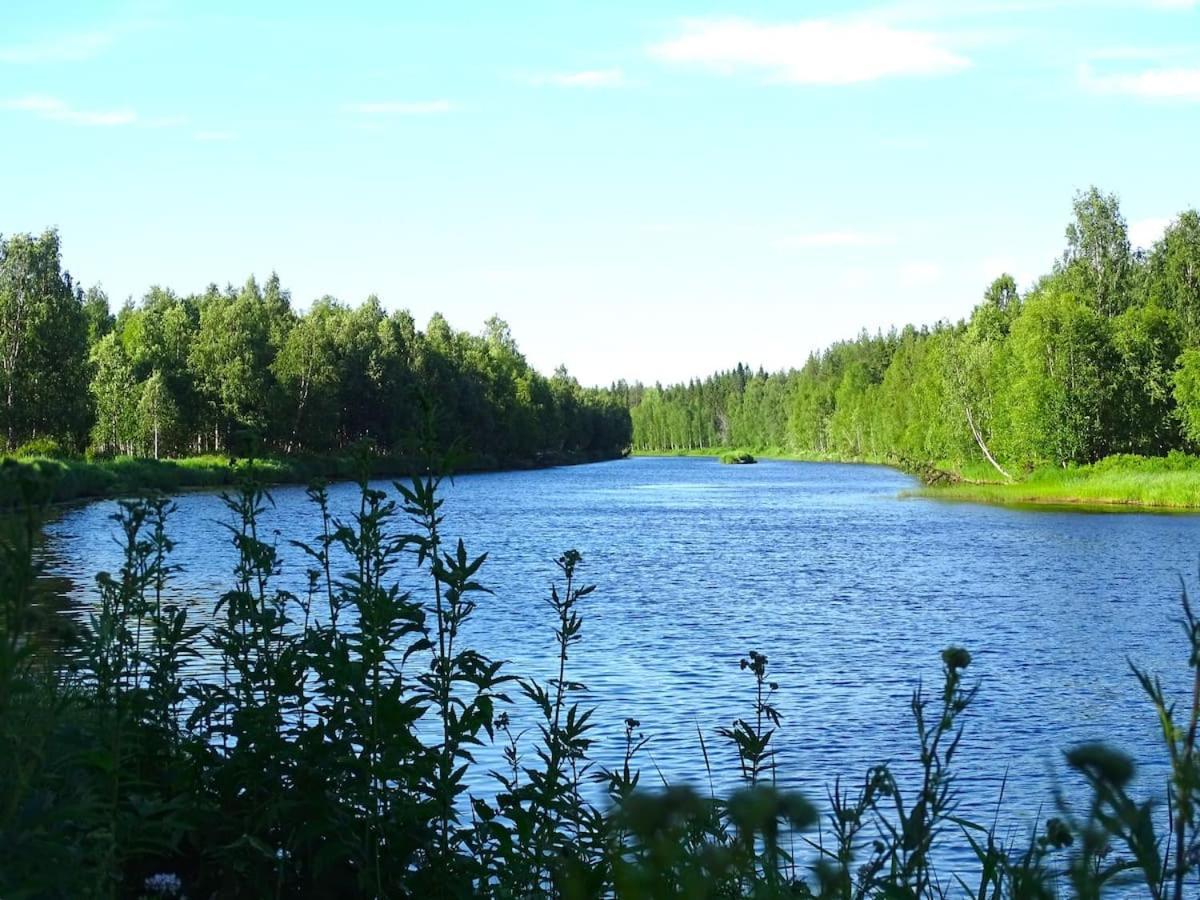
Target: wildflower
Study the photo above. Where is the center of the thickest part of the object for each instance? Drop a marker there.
(1058, 835)
(164, 884)
(1101, 764)
(956, 658)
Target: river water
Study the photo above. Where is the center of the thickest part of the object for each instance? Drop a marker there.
(850, 588)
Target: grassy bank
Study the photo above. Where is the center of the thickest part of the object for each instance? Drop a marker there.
(85, 479)
(1170, 482)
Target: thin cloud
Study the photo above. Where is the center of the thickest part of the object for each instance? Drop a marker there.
(1149, 84)
(827, 239)
(813, 51)
(56, 110)
(402, 107)
(589, 78)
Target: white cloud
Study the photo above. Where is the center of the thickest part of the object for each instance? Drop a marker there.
(920, 274)
(826, 239)
(1144, 232)
(588, 78)
(814, 51)
(1151, 84)
(402, 107)
(58, 110)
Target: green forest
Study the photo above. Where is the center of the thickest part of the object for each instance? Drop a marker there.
(177, 375)
(1101, 356)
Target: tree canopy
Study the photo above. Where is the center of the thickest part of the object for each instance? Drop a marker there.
(178, 375)
(1100, 356)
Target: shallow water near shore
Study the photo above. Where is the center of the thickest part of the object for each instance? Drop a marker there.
(849, 588)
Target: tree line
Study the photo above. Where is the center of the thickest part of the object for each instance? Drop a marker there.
(1100, 356)
(178, 375)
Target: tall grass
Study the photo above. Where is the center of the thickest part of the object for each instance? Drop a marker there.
(334, 753)
(1167, 482)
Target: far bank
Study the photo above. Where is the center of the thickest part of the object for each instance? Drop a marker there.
(1125, 480)
(93, 479)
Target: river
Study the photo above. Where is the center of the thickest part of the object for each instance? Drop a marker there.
(849, 587)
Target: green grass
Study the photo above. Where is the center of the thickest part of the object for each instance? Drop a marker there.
(78, 479)
(1171, 482)
(123, 476)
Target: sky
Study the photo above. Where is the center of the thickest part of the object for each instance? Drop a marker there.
(642, 190)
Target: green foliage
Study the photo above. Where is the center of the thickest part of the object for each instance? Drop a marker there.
(183, 376)
(1095, 359)
(737, 457)
(43, 446)
(43, 345)
(1186, 390)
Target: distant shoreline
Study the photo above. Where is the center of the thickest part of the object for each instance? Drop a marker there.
(1120, 482)
(75, 480)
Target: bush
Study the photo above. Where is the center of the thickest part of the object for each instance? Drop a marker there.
(46, 447)
(737, 457)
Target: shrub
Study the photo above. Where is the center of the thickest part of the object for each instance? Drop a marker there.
(43, 446)
(737, 457)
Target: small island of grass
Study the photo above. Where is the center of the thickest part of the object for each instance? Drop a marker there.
(737, 458)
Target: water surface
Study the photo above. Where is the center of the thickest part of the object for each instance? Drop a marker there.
(849, 588)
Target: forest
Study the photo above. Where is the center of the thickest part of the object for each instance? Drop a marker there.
(175, 376)
(1101, 356)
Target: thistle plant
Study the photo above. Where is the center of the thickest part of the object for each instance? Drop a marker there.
(753, 741)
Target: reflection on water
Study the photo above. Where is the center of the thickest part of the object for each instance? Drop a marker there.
(851, 590)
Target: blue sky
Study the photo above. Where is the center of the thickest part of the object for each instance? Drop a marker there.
(642, 190)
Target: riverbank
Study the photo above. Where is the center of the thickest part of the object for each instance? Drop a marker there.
(83, 479)
(1123, 480)
(1171, 482)
(775, 453)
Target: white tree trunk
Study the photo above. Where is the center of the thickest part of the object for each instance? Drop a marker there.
(982, 446)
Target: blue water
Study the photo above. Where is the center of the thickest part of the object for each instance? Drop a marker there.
(851, 589)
